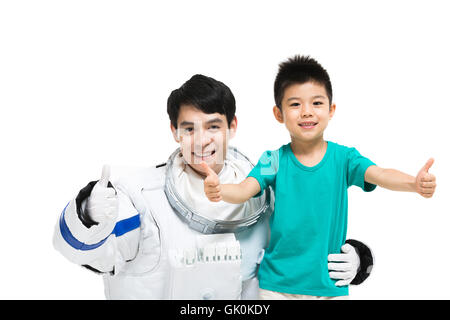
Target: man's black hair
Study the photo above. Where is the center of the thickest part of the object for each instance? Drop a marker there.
(299, 70)
(204, 93)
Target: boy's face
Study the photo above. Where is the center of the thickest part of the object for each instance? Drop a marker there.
(306, 111)
(203, 137)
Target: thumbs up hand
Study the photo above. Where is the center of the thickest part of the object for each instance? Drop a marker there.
(211, 184)
(102, 204)
(425, 181)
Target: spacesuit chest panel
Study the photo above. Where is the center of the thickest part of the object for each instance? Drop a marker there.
(176, 262)
(192, 260)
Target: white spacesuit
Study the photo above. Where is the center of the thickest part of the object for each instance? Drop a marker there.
(169, 241)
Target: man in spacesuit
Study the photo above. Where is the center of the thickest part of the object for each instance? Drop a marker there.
(153, 234)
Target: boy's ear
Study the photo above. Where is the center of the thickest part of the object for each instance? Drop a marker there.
(278, 114)
(332, 110)
(174, 133)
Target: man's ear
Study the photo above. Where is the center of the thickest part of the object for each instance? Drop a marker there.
(332, 110)
(233, 127)
(174, 133)
(278, 114)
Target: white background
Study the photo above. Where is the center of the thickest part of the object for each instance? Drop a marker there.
(83, 83)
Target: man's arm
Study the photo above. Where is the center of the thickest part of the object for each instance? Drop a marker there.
(232, 193)
(353, 265)
(95, 225)
(424, 183)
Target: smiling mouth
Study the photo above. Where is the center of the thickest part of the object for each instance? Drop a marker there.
(308, 125)
(204, 155)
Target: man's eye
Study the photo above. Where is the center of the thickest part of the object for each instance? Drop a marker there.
(188, 130)
(214, 127)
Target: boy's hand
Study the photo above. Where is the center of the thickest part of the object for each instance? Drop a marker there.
(211, 184)
(425, 181)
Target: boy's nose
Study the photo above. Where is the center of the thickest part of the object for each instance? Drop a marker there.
(306, 111)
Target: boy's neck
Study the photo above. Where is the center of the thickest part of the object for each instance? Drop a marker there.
(306, 148)
(309, 153)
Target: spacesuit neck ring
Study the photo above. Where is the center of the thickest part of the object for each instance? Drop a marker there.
(201, 223)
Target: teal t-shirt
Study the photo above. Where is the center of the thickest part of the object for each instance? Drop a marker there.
(310, 217)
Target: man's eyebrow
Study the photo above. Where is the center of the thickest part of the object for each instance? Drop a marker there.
(188, 123)
(214, 121)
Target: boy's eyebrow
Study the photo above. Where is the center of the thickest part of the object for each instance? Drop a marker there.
(315, 97)
(188, 123)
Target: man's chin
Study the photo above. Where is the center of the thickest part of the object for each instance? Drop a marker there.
(198, 168)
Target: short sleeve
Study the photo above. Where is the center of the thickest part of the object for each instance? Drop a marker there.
(356, 169)
(266, 170)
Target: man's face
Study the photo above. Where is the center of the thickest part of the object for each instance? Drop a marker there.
(306, 111)
(203, 137)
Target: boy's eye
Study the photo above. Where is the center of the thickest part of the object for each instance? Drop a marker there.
(318, 103)
(295, 104)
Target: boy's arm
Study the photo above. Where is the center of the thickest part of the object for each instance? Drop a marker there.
(239, 193)
(232, 193)
(424, 183)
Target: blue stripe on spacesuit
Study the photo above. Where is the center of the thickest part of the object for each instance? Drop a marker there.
(120, 229)
(123, 226)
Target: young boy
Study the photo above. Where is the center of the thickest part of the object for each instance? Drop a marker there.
(310, 178)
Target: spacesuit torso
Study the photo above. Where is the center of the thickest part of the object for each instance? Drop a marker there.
(161, 247)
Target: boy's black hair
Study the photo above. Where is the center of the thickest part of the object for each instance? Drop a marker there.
(205, 94)
(298, 70)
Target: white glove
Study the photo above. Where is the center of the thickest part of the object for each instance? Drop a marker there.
(102, 205)
(343, 266)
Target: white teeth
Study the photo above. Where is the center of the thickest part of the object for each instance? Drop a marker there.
(203, 155)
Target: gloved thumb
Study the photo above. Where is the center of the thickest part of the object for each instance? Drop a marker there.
(346, 248)
(106, 172)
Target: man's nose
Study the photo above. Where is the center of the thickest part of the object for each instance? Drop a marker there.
(202, 138)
